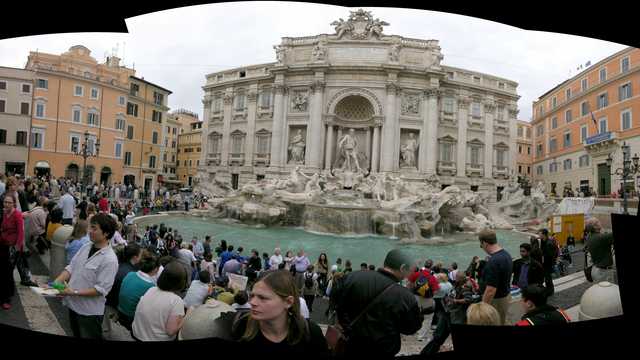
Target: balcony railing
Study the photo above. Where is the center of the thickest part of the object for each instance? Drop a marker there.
(213, 159)
(500, 171)
(260, 159)
(448, 119)
(236, 159)
(501, 127)
(447, 168)
(475, 122)
(475, 170)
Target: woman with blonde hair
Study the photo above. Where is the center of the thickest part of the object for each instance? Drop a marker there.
(482, 314)
(274, 323)
(78, 238)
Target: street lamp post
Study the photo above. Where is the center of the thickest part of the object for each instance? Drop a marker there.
(87, 152)
(628, 169)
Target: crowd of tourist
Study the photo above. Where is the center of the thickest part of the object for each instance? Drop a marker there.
(149, 280)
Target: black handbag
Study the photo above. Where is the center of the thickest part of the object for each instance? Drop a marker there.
(19, 260)
(587, 267)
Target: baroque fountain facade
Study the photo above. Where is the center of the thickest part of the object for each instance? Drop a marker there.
(359, 132)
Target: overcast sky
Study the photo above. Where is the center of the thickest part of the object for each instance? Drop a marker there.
(177, 48)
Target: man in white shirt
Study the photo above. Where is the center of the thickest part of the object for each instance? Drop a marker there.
(68, 205)
(275, 260)
(199, 290)
(90, 277)
(187, 259)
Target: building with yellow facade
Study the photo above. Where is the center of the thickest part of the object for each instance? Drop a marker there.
(146, 111)
(170, 157)
(189, 153)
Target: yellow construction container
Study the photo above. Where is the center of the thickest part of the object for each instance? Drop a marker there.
(563, 225)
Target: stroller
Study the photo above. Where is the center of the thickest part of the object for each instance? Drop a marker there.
(564, 261)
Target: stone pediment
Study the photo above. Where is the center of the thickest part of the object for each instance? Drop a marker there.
(359, 41)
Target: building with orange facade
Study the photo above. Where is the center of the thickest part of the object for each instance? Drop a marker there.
(118, 116)
(524, 147)
(580, 123)
(76, 99)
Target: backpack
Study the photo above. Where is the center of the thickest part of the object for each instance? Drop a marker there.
(422, 286)
(308, 280)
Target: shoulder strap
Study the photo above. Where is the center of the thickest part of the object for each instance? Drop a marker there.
(371, 304)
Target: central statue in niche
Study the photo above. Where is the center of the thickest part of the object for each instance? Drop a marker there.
(348, 146)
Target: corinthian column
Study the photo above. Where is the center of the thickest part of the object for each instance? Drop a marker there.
(226, 127)
(489, 108)
(461, 153)
(251, 126)
(375, 151)
(278, 126)
(314, 133)
(389, 130)
(328, 148)
(432, 129)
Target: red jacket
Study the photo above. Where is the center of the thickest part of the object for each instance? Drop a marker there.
(12, 230)
(103, 205)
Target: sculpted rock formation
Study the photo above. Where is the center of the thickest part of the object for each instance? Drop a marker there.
(344, 201)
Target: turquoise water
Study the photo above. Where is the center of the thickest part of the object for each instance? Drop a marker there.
(369, 249)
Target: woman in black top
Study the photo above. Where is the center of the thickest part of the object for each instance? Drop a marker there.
(274, 324)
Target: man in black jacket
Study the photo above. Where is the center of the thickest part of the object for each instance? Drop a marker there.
(395, 312)
(549, 257)
(538, 312)
(534, 271)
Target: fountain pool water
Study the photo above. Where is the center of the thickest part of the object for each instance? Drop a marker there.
(367, 248)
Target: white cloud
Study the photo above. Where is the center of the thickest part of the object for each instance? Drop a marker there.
(177, 48)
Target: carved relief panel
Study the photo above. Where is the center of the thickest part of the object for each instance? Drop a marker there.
(299, 101)
(410, 104)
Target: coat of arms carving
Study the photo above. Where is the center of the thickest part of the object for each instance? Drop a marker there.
(360, 26)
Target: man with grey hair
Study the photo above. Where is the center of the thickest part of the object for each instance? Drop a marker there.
(600, 248)
(373, 309)
(496, 276)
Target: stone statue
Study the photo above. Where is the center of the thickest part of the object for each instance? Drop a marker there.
(300, 102)
(319, 52)
(349, 179)
(342, 27)
(379, 187)
(375, 28)
(394, 53)
(348, 146)
(313, 184)
(295, 181)
(280, 54)
(297, 149)
(409, 151)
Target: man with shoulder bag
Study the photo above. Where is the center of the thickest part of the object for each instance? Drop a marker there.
(373, 310)
(599, 259)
